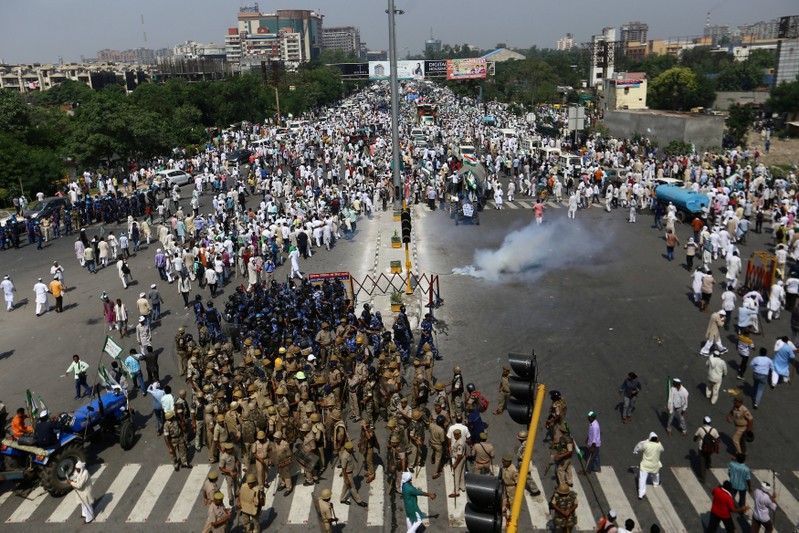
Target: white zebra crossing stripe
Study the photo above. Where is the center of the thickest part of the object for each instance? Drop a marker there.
(377, 493)
(664, 511)
(615, 495)
(69, 503)
(6, 494)
(785, 499)
(511, 205)
(455, 506)
(106, 505)
(420, 483)
(343, 512)
(538, 506)
(585, 519)
(188, 494)
(155, 486)
(694, 490)
(301, 504)
(28, 506)
(269, 498)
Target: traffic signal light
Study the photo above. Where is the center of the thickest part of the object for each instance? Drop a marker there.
(483, 511)
(405, 221)
(522, 387)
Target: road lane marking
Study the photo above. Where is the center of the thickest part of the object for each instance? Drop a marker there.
(152, 491)
(188, 494)
(108, 502)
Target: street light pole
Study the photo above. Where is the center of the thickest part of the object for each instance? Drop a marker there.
(395, 148)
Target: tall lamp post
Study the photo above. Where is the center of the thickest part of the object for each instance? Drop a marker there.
(395, 148)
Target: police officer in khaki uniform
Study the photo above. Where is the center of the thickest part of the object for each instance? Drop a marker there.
(347, 462)
(366, 445)
(218, 516)
(510, 477)
(504, 391)
(175, 441)
(210, 487)
(318, 431)
(556, 420)
(483, 455)
(229, 467)
(326, 513)
(562, 451)
(309, 447)
(340, 435)
(531, 485)
(260, 452)
(563, 505)
(438, 438)
(282, 458)
(250, 503)
(210, 427)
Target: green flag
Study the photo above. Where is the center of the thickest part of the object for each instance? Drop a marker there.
(106, 378)
(31, 405)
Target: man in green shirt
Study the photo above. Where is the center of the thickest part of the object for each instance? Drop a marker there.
(413, 515)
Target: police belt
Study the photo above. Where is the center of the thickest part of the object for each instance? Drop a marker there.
(483, 462)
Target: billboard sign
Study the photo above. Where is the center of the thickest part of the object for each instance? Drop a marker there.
(466, 69)
(406, 70)
(435, 68)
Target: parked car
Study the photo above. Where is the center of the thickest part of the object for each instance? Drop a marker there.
(47, 207)
(175, 177)
(240, 157)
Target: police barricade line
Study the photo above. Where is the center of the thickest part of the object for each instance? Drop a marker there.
(28, 506)
(667, 516)
(537, 505)
(301, 505)
(377, 494)
(342, 511)
(455, 506)
(585, 518)
(420, 482)
(614, 494)
(188, 494)
(785, 500)
(108, 502)
(152, 491)
(694, 490)
(69, 503)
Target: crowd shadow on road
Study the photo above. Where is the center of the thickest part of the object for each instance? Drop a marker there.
(6, 354)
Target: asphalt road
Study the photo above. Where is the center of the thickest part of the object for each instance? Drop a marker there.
(594, 297)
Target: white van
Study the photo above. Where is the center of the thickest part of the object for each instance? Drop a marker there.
(295, 126)
(259, 143)
(573, 162)
(508, 133)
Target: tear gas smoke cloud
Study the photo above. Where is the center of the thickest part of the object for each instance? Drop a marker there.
(535, 250)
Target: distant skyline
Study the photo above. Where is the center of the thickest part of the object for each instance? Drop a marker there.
(41, 31)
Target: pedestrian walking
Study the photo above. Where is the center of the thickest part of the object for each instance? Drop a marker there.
(713, 334)
(132, 361)
(707, 439)
(690, 252)
(671, 242)
(631, 219)
(572, 213)
(154, 297)
(762, 366)
(629, 390)
(784, 353)
(9, 290)
(184, 288)
(108, 311)
(776, 301)
(121, 318)
(594, 443)
(143, 305)
(765, 503)
(722, 508)
(57, 290)
(144, 336)
(650, 464)
(745, 348)
(414, 517)
(42, 303)
(78, 369)
(740, 416)
(707, 284)
(123, 270)
(294, 256)
(716, 370)
(156, 394)
(740, 478)
(81, 483)
(677, 406)
(457, 454)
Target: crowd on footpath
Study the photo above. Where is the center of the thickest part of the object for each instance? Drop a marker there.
(289, 375)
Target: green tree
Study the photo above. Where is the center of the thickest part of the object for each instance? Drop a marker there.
(739, 122)
(678, 89)
(66, 92)
(784, 97)
(14, 112)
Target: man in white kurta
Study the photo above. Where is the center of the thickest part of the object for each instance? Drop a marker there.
(41, 290)
(650, 462)
(8, 292)
(82, 486)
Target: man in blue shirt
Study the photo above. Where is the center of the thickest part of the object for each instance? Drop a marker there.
(134, 367)
(761, 366)
(740, 478)
(158, 411)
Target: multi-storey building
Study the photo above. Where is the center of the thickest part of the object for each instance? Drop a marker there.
(289, 35)
(565, 43)
(344, 38)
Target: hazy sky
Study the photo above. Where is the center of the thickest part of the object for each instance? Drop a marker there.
(42, 30)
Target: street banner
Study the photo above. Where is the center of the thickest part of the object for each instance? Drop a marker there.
(466, 69)
(406, 70)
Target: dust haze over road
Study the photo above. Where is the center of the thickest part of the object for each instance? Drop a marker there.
(534, 251)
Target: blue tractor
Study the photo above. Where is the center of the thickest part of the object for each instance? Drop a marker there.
(109, 413)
